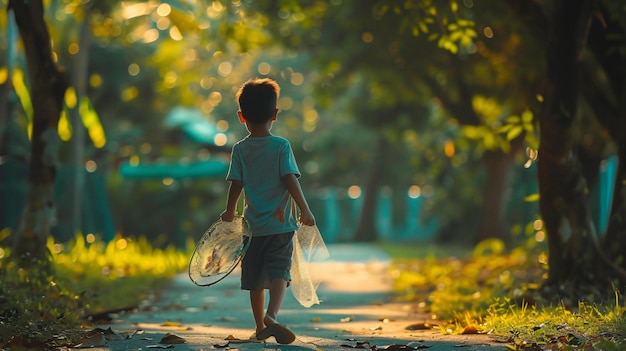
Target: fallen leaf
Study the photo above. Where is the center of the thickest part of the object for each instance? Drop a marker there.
(171, 324)
(94, 340)
(316, 320)
(419, 326)
(230, 337)
(397, 347)
(345, 320)
(417, 345)
(360, 345)
(172, 339)
(470, 329)
(184, 328)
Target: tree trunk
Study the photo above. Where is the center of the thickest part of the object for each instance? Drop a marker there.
(47, 85)
(498, 164)
(562, 187)
(366, 228)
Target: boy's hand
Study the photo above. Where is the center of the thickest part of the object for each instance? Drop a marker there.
(307, 218)
(227, 216)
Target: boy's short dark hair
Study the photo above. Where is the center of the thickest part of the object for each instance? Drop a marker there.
(257, 99)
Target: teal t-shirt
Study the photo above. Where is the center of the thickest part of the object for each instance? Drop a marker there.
(260, 163)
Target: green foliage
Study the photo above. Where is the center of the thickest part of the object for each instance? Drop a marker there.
(496, 291)
(457, 287)
(116, 274)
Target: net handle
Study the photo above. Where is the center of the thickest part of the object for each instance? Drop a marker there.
(242, 200)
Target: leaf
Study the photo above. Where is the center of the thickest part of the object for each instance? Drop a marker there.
(527, 117)
(360, 345)
(472, 132)
(172, 339)
(378, 327)
(532, 198)
(505, 128)
(95, 340)
(454, 6)
(396, 347)
(420, 326)
(470, 329)
(170, 324)
(514, 133)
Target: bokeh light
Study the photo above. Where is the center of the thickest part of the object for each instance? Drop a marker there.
(133, 69)
(220, 139)
(264, 68)
(354, 192)
(414, 191)
(222, 125)
(121, 244)
(91, 166)
(225, 68)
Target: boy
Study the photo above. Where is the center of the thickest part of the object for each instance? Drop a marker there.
(264, 167)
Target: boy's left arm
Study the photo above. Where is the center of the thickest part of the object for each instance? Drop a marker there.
(234, 191)
(293, 186)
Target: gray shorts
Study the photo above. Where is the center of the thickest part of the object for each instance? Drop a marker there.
(267, 258)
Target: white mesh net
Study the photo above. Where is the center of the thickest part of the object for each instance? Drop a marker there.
(219, 251)
(309, 249)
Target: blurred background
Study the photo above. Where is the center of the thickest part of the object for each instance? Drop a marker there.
(410, 120)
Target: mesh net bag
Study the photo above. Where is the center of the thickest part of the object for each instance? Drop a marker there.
(309, 248)
(219, 251)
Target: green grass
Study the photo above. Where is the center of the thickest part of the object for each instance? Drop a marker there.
(117, 274)
(489, 289)
(88, 276)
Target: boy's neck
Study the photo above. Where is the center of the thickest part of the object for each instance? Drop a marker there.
(259, 130)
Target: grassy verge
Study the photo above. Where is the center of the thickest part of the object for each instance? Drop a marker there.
(488, 290)
(51, 303)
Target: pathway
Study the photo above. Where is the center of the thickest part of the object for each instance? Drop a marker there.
(354, 312)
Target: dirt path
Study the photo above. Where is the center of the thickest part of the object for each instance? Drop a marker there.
(354, 312)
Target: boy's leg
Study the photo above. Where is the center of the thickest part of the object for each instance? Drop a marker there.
(257, 302)
(278, 288)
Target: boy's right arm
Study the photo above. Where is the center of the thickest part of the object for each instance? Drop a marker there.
(234, 191)
(293, 186)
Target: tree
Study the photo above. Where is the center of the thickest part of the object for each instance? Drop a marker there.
(47, 84)
(411, 56)
(579, 262)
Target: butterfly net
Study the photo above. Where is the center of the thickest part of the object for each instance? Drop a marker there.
(309, 249)
(219, 251)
